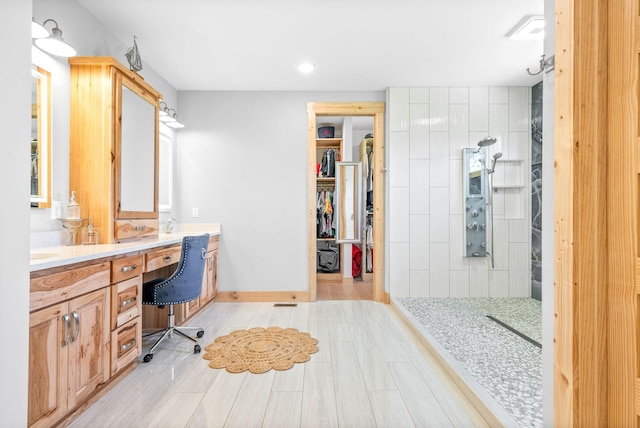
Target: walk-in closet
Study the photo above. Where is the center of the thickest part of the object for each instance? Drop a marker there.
(344, 262)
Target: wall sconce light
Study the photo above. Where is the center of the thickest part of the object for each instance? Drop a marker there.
(174, 123)
(37, 30)
(164, 112)
(54, 43)
(169, 116)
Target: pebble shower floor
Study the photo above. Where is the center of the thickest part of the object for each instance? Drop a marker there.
(506, 365)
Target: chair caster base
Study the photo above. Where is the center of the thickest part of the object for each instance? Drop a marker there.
(196, 349)
(147, 358)
(200, 333)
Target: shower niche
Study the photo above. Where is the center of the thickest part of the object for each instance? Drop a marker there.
(475, 201)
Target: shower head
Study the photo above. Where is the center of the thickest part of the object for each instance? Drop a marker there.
(497, 156)
(486, 141)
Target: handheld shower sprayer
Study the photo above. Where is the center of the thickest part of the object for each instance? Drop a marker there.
(496, 156)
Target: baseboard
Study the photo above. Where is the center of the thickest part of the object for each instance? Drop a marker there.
(262, 296)
(484, 403)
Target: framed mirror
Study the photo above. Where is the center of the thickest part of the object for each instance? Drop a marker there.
(137, 158)
(349, 201)
(40, 142)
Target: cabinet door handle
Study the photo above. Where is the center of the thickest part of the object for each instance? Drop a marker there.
(167, 258)
(76, 320)
(126, 346)
(125, 303)
(67, 329)
(129, 268)
(139, 228)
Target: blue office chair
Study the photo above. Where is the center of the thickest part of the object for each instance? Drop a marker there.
(184, 285)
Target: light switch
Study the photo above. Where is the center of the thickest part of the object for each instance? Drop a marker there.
(194, 212)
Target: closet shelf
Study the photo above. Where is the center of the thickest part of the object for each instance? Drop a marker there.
(508, 186)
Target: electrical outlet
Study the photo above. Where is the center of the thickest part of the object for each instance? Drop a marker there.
(194, 212)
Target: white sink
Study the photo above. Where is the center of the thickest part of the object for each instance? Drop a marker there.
(40, 256)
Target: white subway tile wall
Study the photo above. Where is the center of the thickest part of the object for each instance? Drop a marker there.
(419, 242)
(428, 128)
(419, 186)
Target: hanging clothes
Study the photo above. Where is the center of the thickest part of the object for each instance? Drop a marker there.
(328, 163)
(369, 246)
(325, 219)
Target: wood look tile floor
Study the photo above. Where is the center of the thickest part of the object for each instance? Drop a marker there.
(370, 372)
(347, 289)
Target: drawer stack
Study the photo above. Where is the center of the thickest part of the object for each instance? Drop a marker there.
(126, 310)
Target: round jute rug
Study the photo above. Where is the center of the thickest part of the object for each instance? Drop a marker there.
(260, 349)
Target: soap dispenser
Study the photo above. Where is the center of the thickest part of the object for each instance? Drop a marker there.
(73, 209)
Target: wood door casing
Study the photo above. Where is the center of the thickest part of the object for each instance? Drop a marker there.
(376, 110)
(596, 214)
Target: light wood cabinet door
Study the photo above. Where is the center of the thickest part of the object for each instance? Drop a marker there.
(89, 348)
(48, 364)
(68, 355)
(113, 143)
(210, 278)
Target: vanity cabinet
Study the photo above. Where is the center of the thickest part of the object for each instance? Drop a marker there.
(210, 280)
(126, 311)
(114, 137)
(68, 340)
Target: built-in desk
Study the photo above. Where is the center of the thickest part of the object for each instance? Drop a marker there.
(86, 315)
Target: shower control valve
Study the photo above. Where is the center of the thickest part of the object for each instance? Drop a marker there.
(475, 213)
(469, 244)
(483, 245)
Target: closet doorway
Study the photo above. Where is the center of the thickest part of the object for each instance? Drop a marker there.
(339, 286)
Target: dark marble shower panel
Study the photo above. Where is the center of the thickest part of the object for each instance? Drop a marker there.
(536, 191)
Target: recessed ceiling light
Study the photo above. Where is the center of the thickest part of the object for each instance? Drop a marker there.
(529, 28)
(306, 67)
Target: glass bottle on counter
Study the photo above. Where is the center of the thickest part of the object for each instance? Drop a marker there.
(73, 208)
(90, 234)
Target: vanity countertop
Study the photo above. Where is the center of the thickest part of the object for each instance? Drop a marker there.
(50, 257)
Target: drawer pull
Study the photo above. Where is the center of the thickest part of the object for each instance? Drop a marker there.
(125, 303)
(126, 346)
(167, 258)
(67, 330)
(139, 228)
(76, 320)
(129, 268)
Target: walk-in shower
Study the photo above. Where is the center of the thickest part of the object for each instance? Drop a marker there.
(478, 193)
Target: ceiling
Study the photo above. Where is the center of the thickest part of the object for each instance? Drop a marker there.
(355, 44)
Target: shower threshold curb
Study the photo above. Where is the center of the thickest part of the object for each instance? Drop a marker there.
(493, 413)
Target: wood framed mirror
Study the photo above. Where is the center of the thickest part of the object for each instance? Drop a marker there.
(40, 143)
(349, 202)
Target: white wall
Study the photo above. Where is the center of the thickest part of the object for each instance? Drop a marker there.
(15, 87)
(427, 128)
(90, 38)
(242, 161)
